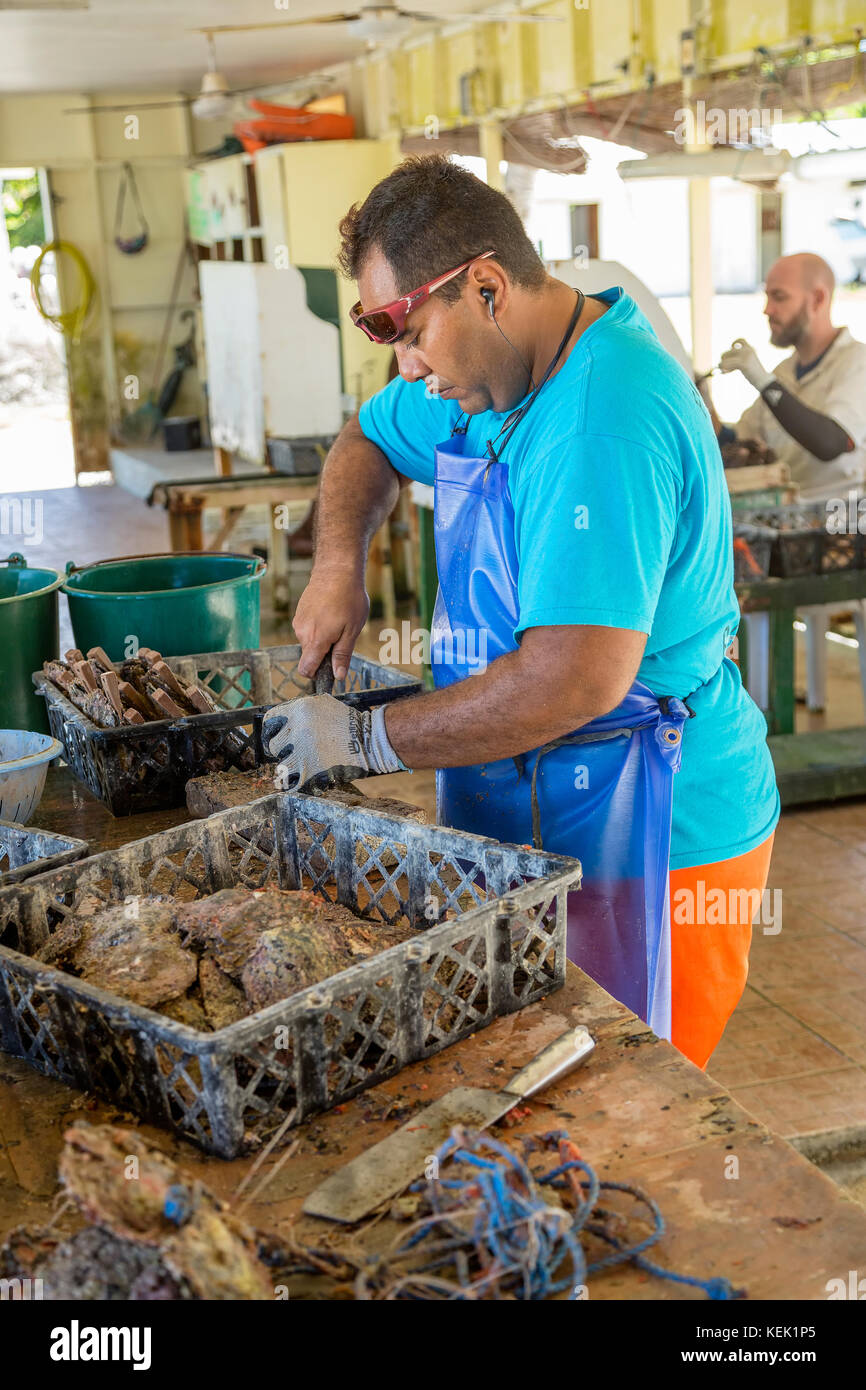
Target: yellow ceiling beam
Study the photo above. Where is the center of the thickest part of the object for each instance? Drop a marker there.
(459, 75)
(660, 25)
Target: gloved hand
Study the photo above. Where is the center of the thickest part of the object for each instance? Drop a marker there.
(319, 740)
(741, 357)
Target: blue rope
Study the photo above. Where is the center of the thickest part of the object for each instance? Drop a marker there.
(493, 1229)
(178, 1205)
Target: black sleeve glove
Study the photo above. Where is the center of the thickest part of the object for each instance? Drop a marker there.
(814, 431)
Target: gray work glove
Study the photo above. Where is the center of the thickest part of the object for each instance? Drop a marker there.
(741, 357)
(318, 741)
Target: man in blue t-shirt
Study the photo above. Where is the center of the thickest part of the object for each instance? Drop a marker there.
(583, 524)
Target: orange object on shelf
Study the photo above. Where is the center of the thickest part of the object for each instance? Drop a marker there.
(279, 124)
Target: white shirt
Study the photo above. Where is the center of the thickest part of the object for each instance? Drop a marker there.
(837, 388)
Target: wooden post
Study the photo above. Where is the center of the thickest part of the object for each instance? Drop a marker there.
(402, 555)
(185, 524)
(700, 231)
(223, 465)
(231, 517)
(177, 530)
(701, 273)
(380, 575)
(278, 562)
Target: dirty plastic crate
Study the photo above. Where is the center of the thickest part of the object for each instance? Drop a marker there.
(229, 1091)
(753, 547)
(801, 538)
(145, 767)
(843, 550)
(25, 851)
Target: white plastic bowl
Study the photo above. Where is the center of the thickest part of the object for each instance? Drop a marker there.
(24, 759)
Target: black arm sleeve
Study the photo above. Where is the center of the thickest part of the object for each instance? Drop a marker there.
(814, 431)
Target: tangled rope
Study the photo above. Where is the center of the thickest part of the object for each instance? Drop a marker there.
(70, 322)
(492, 1232)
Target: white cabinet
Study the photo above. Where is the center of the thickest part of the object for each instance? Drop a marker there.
(272, 366)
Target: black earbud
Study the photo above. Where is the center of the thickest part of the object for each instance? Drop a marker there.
(490, 297)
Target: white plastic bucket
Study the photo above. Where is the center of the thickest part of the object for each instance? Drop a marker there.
(24, 759)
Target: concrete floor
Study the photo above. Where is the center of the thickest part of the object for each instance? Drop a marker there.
(794, 1053)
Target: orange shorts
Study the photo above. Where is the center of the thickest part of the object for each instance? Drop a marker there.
(710, 940)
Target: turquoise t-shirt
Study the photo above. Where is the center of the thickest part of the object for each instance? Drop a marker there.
(622, 519)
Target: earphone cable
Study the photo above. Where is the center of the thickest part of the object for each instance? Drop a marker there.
(516, 351)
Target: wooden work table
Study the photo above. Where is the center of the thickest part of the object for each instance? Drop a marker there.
(637, 1109)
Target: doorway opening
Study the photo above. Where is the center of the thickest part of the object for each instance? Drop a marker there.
(35, 427)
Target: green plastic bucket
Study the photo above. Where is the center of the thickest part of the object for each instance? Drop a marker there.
(191, 601)
(28, 636)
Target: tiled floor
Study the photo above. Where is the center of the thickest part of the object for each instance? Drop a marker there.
(794, 1053)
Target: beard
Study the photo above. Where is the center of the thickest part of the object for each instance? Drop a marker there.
(789, 334)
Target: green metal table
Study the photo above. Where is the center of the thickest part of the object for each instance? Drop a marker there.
(815, 766)
(822, 766)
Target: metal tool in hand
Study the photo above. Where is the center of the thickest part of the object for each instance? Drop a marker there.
(324, 679)
(323, 684)
(704, 375)
(321, 741)
(384, 1170)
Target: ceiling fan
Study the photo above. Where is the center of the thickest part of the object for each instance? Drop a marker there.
(388, 20)
(215, 99)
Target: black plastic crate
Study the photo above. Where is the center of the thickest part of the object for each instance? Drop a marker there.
(843, 551)
(25, 851)
(490, 922)
(145, 767)
(753, 546)
(800, 536)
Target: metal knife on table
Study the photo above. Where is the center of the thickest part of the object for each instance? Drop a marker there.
(383, 1171)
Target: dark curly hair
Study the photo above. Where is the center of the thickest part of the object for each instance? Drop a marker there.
(427, 216)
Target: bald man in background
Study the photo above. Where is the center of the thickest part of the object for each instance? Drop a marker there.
(811, 410)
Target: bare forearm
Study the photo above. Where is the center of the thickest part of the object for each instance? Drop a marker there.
(522, 700)
(358, 491)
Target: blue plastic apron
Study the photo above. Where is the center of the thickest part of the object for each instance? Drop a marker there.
(602, 794)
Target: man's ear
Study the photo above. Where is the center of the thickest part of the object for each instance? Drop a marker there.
(487, 280)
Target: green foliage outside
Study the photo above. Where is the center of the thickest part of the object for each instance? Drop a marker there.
(22, 208)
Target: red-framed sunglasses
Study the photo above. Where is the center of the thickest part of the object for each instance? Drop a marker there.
(388, 323)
